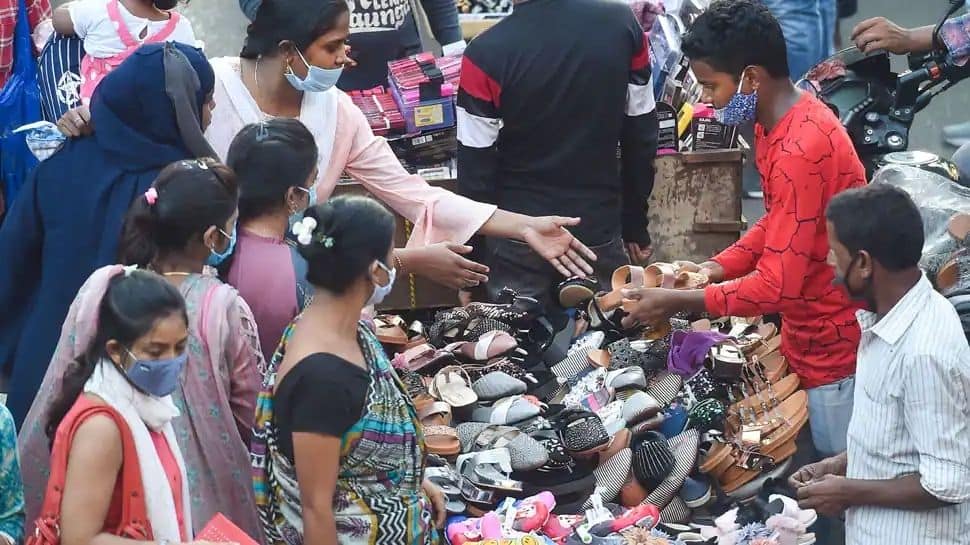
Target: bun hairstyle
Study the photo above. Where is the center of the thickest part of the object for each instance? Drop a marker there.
(185, 200)
(132, 304)
(299, 21)
(351, 232)
(270, 158)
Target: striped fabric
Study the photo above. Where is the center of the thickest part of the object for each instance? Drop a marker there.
(59, 76)
(378, 498)
(911, 416)
(684, 447)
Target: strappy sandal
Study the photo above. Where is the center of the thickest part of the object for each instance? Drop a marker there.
(453, 386)
(449, 482)
(489, 469)
(390, 330)
(781, 391)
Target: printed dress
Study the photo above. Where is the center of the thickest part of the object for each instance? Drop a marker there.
(378, 498)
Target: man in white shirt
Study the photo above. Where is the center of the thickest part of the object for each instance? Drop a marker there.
(906, 475)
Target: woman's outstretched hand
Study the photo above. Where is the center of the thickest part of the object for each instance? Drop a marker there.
(548, 237)
(443, 263)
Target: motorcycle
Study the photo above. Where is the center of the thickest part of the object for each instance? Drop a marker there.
(877, 105)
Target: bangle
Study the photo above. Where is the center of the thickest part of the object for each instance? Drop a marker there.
(398, 264)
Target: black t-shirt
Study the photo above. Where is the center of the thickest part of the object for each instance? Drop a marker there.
(322, 393)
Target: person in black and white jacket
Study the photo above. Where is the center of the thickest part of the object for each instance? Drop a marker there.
(545, 97)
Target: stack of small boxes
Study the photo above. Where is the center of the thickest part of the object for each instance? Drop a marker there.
(425, 88)
(380, 109)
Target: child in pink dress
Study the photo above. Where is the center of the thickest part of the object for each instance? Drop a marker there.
(113, 29)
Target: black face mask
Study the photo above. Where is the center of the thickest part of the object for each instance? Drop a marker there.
(865, 294)
(165, 5)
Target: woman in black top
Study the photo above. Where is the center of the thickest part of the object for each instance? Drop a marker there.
(337, 454)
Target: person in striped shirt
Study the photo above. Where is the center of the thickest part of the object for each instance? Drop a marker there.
(905, 477)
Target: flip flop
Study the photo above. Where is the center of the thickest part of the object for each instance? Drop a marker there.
(452, 385)
(442, 440)
(507, 411)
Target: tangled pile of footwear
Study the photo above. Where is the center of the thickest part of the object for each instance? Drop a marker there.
(566, 427)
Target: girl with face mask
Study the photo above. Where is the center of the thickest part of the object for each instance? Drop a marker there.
(294, 53)
(276, 164)
(185, 220)
(113, 29)
(119, 382)
(353, 486)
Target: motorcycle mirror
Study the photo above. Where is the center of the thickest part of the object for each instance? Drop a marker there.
(955, 6)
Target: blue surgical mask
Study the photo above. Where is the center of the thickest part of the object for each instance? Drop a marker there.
(381, 292)
(216, 258)
(740, 109)
(158, 378)
(317, 79)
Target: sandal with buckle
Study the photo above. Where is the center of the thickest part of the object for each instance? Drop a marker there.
(489, 469)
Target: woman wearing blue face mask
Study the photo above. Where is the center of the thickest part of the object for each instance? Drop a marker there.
(129, 340)
(180, 223)
(359, 471)
(295, 51)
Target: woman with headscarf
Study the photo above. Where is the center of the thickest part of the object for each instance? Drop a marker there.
(67, 221)
(293, 56)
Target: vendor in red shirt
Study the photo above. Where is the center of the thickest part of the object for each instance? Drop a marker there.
(805, 157)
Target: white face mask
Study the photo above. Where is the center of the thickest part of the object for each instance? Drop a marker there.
(381, 292)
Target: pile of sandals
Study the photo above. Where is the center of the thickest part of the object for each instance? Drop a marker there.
(656, 424)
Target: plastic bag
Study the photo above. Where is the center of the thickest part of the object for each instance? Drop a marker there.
(938, 200)
(19, 105)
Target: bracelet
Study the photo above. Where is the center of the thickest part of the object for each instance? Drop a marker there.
(398, 264)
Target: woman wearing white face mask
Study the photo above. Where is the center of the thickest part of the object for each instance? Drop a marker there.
(355, 476)
(295, 52)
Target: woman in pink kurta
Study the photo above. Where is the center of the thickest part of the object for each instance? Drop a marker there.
(293, 55)
(218, 387)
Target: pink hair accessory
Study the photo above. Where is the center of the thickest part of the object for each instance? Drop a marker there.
(151, 196)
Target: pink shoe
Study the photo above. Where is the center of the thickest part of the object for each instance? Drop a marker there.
(533, 512)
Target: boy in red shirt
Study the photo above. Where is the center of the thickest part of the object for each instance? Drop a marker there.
(805, 157)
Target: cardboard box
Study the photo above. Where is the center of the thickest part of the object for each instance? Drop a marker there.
(410, 292)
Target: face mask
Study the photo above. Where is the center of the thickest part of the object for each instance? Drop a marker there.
(156, 377)
(740, 109)
(317, 79)
(297, 216)
(216, 258)
(381, 292)
(865, 294)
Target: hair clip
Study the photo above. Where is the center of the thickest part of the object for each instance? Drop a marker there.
(261, 132)
(202, 164)
(151, 196)
(128, 269)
